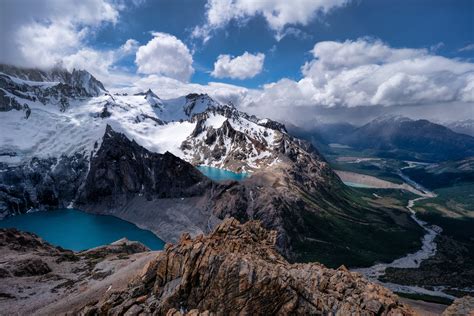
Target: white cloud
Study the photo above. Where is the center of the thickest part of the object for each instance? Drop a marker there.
(241, 67)
(102, 64)
(467, 48)
(165, 55)
(40, 33)
(130, 46)
(352, 77)
(365, 73)
(277, 13)
(168, 88)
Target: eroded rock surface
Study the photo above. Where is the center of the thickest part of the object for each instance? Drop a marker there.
(37, 278)
(236, 270)
(461, 306)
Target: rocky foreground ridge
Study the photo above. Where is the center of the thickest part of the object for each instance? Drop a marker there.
(233, 270)
(37, 278)
(236, 270)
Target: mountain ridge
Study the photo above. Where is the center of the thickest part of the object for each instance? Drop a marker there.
(292, 188)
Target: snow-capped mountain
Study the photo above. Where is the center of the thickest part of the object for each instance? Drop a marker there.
(193, 127)
(21, 88)
(71, 143)
(404, 138)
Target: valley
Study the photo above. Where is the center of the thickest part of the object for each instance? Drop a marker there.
(186, 165)
(134, 157)
(442, 206)
(236, 157)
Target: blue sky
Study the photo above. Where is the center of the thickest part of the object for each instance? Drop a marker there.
(445, 26)
(293, 60)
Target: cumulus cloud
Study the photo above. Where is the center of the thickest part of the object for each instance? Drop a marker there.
(165, 55)
(241, 67)
(370, 73)
(277, 13)
(102, 63)
(39, 33)
(168, 88)
(366, 73)
(360, 79)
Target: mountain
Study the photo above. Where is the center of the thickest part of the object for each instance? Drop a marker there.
(323, 133)
(235, 268)
(443, 174)
(462, 126)
(57, 86)
(401, 137)
(133, 158)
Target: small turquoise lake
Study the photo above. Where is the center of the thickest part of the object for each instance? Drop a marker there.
(76, 230)
(217, 174)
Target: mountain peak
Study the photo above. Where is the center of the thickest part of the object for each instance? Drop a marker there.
(80, 80)
(198, 103)
(393, 118)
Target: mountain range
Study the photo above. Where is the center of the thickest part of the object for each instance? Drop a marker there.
(70, 143)
(396, 137)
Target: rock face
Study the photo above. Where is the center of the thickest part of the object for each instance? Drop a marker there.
(63, 86)
(236, 270)
(122, 169)
(41, 184)
(461, 306)
(38, 278)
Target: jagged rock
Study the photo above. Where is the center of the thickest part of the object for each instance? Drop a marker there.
(236, 270)
(123, 246)
(70, 85)
(16, 240)
(31, 267)
(41, 183)
(35, 275)
(461, 306)
(121, 168)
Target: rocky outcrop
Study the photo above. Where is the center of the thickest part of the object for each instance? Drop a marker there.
(461, 306)
(82, 82)
(236, 270)
(37, 278)
(41, 184)
(122, 169)
(56, 86)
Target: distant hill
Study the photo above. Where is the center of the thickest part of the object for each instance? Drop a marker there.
(444, 174)
(463, 126)
(403, 138)
(322, 134)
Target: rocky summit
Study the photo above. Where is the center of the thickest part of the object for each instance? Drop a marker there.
(236, 270)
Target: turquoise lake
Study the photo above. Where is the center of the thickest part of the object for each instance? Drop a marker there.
(217, 174)
(76, 230)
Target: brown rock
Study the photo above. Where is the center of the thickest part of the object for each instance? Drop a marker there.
(236, 270)
(461, 306)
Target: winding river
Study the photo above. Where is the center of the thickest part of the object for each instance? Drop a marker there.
(411, 260)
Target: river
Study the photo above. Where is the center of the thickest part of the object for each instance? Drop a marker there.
(411, 260)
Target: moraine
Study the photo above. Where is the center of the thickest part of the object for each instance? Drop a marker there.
(76, 230)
